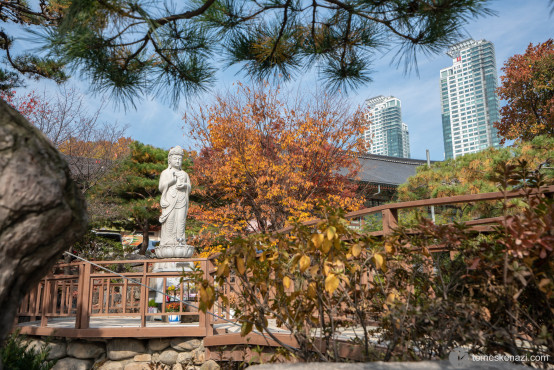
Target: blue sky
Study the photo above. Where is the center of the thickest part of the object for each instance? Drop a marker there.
(517, 24)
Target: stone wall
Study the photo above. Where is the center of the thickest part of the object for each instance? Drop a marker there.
(126, 353)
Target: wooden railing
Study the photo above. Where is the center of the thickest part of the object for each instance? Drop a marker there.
(85, 292)
(389, 212)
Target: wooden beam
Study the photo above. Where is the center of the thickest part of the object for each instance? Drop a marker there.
(122, 332)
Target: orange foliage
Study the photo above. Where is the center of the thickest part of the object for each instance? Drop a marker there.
(264, 160)
(528, 88)
(101, 149)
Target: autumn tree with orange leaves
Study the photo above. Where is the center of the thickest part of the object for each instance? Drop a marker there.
(265, 158)
(91, 147)
(528, 88)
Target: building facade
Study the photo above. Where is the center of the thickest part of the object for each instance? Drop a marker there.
(386, 133)
(469, 104)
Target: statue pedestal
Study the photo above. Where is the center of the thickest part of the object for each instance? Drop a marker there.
(174, 251)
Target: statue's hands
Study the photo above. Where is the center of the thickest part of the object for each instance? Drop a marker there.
(181, 180)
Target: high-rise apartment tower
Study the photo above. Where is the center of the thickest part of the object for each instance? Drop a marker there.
(386, 134)
(468, 98)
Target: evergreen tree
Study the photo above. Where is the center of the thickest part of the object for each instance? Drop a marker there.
(474, 173)
(134, 47)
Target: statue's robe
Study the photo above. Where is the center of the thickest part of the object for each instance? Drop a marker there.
(175, 204)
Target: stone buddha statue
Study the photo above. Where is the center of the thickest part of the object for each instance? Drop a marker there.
(175, 188)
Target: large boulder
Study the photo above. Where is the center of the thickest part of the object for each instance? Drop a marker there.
(42, 212)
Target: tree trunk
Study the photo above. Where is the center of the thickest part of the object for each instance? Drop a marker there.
(145, 237)
(42, 212)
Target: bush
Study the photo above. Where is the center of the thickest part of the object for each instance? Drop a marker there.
(492, 293)
(16, 355)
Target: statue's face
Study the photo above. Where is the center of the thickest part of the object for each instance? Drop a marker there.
(175, 161)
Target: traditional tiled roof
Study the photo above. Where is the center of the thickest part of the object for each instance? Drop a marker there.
(379, 169)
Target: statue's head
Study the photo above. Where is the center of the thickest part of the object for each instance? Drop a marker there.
(175, 157)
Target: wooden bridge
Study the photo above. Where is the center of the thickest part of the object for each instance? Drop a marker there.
(81, 300)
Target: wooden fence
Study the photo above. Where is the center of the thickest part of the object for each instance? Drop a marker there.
(80, 292)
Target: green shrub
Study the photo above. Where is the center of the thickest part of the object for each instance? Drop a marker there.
(16, 355)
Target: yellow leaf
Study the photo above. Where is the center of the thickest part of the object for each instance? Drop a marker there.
(286, 282)
(314, 270)
(245, 328)
(326, 269)
(326, 246)
(241, 268)
(304, 263)
(312, 291)
(356, 250)
(317, 239)
(331, 283)
(222, 267)
(391, 298)
(379, 261)
(331, 232)
(388, 247)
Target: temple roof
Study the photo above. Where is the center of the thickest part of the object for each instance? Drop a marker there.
(379, 169)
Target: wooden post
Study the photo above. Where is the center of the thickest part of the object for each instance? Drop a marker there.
(205, 318)
(45, 301)
(83, 299)
(33, 303)
(143, 297)
(124, 297)
(390, 220)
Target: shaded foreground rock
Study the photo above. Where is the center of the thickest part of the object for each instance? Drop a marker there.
(42, 212)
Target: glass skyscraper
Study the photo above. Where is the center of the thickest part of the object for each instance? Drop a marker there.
(468, 98)
(386, 134)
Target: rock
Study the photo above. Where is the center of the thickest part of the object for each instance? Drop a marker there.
(42, 211)
(158, 344)
(119, 349)
(210, 365)
(35, 345)
(185, 357)
(169, 357)
(111, 365)
(137, 366)
(199, 357)
(56, 350)
(70, 363)
(115, 365)
(155, 358)
(177, 366)
(85, 350)
(145, 357)
(181, 344)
